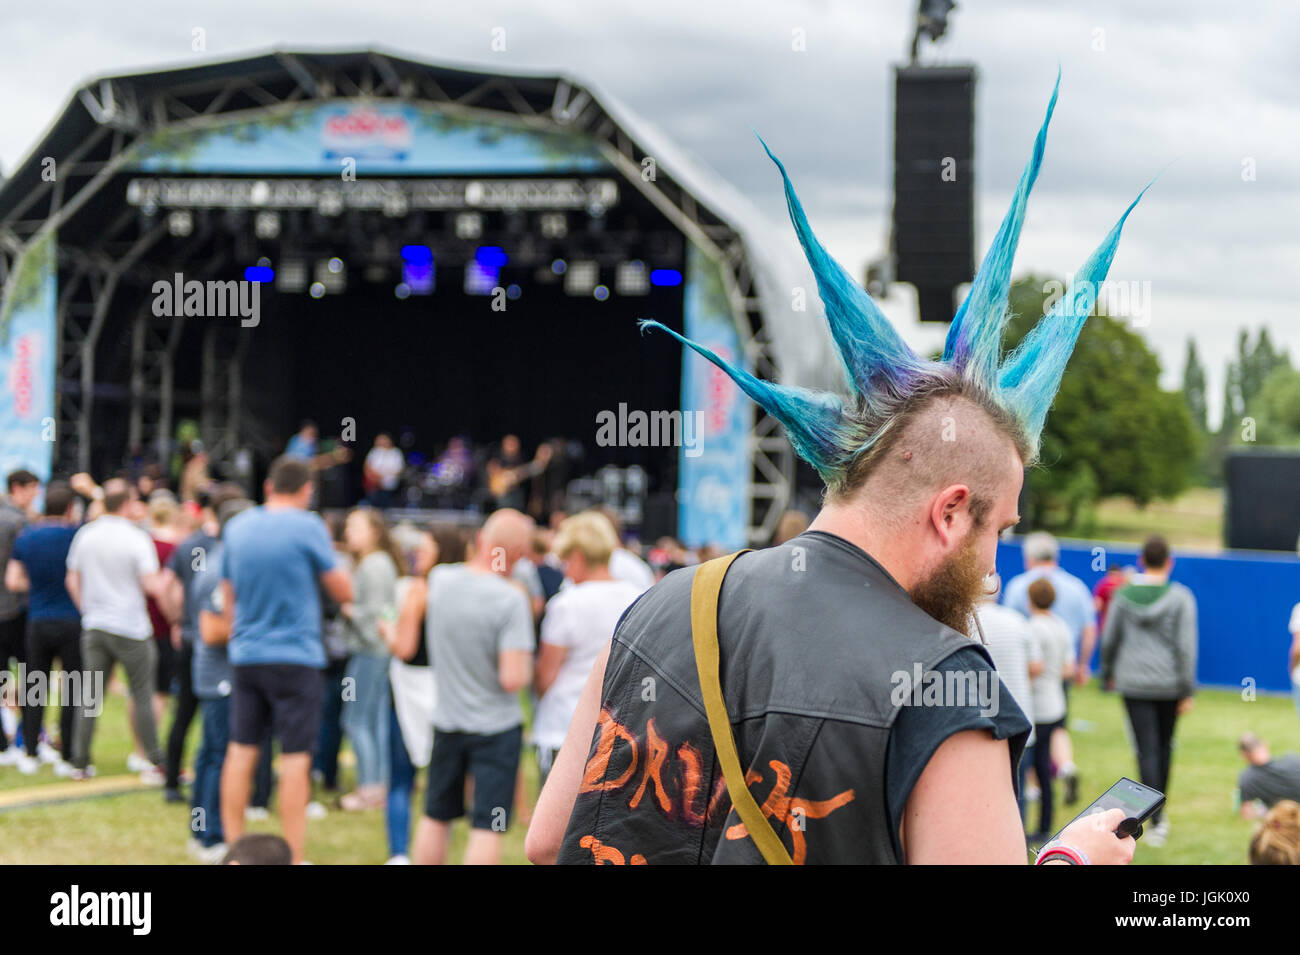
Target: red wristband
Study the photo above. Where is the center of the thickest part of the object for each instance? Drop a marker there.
(1074, 855)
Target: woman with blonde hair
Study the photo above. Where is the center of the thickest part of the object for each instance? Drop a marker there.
(1277, 840)
(366, 697)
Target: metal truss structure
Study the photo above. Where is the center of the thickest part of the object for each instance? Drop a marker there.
(104, 243)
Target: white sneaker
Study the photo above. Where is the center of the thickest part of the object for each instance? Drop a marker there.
(28, 765)
(63, 769)
(257, 813)
(10, 756)
(194, 847)
(213, 855)
(137, 764)
(153, 776)
(87, 773)
(47, 753)
(1157, 834)
(399, 860)
(316, 810)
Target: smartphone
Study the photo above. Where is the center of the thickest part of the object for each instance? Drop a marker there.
(1138, 802)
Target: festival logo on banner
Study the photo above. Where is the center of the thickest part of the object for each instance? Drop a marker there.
(26, 352)
(361, 133)
(713, 491)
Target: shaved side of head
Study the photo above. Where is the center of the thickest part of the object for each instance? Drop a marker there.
(948, 439)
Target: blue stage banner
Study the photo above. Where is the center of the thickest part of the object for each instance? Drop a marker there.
(713, 495)
(378, 139)
(27, 342)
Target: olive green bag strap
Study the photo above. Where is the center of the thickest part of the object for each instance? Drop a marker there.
(704, 632)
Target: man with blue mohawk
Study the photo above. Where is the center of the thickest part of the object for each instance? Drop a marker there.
(868, 725)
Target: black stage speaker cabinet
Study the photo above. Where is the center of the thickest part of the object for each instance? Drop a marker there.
(934, 183)
(1262, 499)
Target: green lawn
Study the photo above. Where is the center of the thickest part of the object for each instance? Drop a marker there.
(1193, 521)
(139, 828)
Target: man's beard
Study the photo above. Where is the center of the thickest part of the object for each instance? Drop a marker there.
(951, 593)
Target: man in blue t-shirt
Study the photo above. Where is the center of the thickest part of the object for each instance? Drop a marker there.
(274, 560)
(38, 565)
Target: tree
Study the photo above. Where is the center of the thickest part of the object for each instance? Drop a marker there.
(1194, 388)
(1111, 430)
(1276, 409)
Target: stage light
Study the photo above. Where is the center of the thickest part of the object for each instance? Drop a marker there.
(317, 290)
(402, 291)
(600, 292)
(180, 222)
(555, 225)
(259, 273)
(266, 225)
(418, 278)
(480, 279)
(417, 254)
(631, 279)
(559, 266)
(469, 225)
(492, 256)
(513, 292)
(292, 276)
(581, 277)
(331, 275)
(665, 277)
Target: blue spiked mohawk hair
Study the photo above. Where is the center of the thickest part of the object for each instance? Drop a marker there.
(886, 380)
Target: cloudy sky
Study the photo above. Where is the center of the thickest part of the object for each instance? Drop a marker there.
(1196, 91)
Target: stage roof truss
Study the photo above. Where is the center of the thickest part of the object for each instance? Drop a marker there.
(94, 139)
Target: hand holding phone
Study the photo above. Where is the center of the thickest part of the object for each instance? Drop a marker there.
(1095, 837)
(1137, 802)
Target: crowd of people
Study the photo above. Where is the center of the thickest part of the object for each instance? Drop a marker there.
(279, 629)
(276, 628)
(1042, 636)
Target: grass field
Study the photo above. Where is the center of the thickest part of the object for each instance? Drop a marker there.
(137, 827)
(1193, 521)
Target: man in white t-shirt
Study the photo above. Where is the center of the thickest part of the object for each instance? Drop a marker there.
(383, 467)
(578, 625)
(112, 567)
(1018, 660)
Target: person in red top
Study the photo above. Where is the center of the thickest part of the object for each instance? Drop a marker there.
(1115, 578)
(164, 513)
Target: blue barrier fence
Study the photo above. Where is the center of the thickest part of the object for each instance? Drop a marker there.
(1244, 601)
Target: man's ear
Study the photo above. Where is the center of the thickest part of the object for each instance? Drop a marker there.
(949, 513)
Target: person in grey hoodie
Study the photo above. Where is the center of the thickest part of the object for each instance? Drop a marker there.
(1148, 654)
